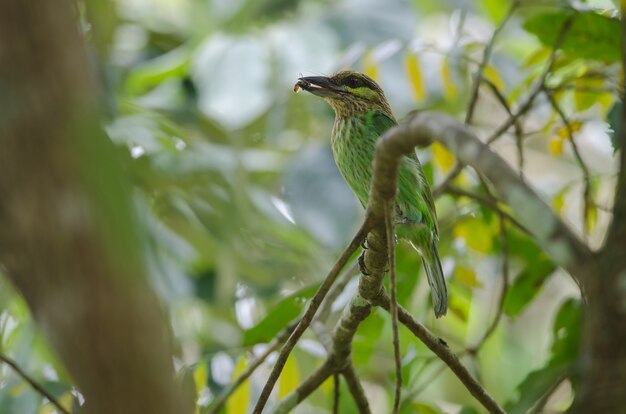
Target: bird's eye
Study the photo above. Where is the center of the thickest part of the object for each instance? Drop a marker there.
(353, 82)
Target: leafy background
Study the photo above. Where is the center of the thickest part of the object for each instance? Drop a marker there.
(244, 211)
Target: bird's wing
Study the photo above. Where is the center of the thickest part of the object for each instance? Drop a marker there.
(380, 123)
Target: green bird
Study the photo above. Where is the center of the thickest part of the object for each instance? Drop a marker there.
(362, 115)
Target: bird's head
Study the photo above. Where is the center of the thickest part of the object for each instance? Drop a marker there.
(349, 93)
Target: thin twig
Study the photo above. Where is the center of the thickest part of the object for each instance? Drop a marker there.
(587, 197)
(439, 347)
(310, 384)
(425, 384)
(410, 396)
(308, 315)
(282, 337)
(505, 287)
(337, 392)
(447, 181)
(491, 203)
(34, 384)
(537, 87)
(540, 404)
(356, 389)
(272, 347)
(337, 289)
(393, 310)
(519, 132)
(478, 78)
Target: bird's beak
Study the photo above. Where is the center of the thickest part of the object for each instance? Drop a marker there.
(318, 85)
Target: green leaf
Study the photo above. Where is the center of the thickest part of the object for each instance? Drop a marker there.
(565, 346)
(468, 410)
(527, 284)
(566, 331)
(534, 387)
(615, 122)
(279, 316)
(591, 36)
(418, 408)
(496, 9)
(153, 72)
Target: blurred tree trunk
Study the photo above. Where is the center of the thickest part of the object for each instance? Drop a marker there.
(68, 240)
(603, 358)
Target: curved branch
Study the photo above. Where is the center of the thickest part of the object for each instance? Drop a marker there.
(565, 248)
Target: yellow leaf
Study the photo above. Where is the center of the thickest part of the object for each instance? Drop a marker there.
(67, 400)
(18, 389)
(419, 408)
(449, 89)
(556, 146)
(477, 234)
(606, 101)
(200, 376)
(558, 201)
(548, 126)
(442, 157)
(563, 131)
(289, 379)
(459, 305)
(467, 277)
(414, 72)
(492, 74)
(591, 218)
(540, 56)
(370, 67)
(328, 385)
(240, 399)
(583, 98)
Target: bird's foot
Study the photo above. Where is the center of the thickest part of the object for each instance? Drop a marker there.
(364, 245)
(362, 267)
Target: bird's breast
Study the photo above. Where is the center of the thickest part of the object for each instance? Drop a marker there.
(353, 149)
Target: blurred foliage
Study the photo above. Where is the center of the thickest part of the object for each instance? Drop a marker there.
(244, 211)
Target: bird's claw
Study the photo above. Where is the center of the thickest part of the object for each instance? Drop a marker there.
(362, 267)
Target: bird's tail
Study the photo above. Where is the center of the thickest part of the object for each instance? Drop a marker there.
(437, 282)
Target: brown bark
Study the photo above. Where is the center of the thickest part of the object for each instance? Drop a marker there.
(69, 242)
(603, 361)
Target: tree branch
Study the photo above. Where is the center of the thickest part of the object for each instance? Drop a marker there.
(587, 196)
(272, 346)
(439, 347)
(617, 229)
(537, 87)
(478, 78)
(393, 309)
(307, 318)
(310, 384)
(565, 248)
(336, 393)
(356, 389)
(489, 202)
(34, 384)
